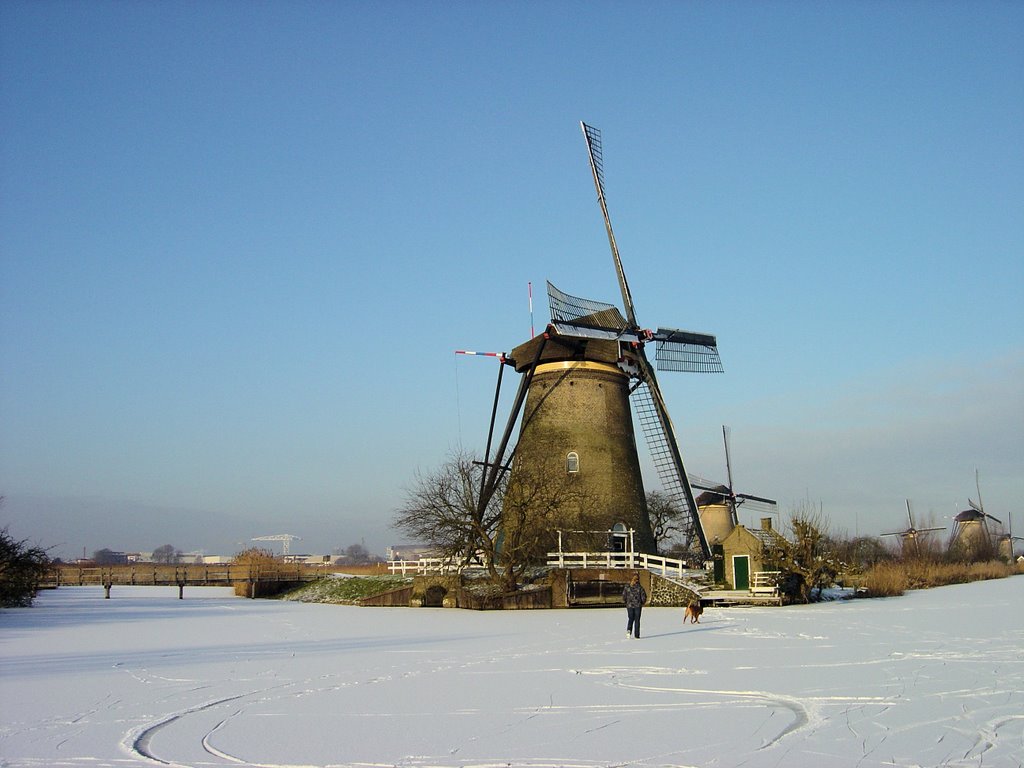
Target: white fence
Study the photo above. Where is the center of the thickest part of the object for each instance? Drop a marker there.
(765, 583)
(665, 566)
(427, 565)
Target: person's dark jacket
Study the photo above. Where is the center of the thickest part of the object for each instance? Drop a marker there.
(634, 595)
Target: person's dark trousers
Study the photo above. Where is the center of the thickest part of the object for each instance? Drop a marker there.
(633, 625)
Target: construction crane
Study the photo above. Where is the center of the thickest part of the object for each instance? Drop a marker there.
(285, 538)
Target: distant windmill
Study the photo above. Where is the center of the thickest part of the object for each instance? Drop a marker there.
(910, 537)
(285, 538)
(1005, 548)
(972, 535)
(719, 503)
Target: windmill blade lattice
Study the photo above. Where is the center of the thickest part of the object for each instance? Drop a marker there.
(668, 463)
(576, 311)
(594, 152)
(686, 351)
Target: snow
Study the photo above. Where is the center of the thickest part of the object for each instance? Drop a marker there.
(934, 678)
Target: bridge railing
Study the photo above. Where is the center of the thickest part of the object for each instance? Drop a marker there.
(664, 566)
(428, 565)
(154, 574)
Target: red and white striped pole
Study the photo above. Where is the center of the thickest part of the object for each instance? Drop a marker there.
(529, 287)
(499, 355)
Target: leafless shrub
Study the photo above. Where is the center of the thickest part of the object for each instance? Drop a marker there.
(22, 567)
(506, 531)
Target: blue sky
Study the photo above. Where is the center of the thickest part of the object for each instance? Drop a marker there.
(239, 243)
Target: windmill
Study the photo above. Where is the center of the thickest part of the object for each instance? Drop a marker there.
(578, 378)
(972, 536)
(910, 537)
(1005, 548)
(719, 504)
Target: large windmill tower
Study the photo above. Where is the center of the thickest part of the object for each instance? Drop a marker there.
(578, 379)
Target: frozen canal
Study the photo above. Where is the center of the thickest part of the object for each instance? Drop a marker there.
(935, 678)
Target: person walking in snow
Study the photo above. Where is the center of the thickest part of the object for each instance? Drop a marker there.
(634, 596)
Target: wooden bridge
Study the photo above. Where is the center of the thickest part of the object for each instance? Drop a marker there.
(763, 590)
(251, 575)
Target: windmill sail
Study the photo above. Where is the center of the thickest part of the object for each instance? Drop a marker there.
(686, 351)
(675, 349)
(593, 137)
(573, 311)
(581, 318)
(668, 462)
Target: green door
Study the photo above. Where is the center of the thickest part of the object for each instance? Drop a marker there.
(741, 571)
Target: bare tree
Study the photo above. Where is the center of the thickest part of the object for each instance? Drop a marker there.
(808, 558)
(667, 521)
(533, 508)
(861, 553)
(166, 554)
(506, 533)
(441, 511)
(107, 557)
(357, 554)
(22, 567)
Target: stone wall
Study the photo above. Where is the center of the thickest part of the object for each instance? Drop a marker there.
(400, 597)
(527, 599)
(449, 591)
(665, 592)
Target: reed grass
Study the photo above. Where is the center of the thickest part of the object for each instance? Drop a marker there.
(895, 577)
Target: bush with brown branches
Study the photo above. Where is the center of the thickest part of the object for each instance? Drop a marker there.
(22, 567)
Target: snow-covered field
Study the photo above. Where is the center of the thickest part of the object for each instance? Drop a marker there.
(934, 678)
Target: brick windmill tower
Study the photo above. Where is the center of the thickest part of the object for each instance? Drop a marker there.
(578, 381)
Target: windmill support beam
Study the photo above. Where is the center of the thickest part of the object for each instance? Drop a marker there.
(490, 435)
(490, 480)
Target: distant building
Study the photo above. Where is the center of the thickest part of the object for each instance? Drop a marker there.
(409, 552)
(216, 559)
(744, 552)
(113, 558)
(308, 559)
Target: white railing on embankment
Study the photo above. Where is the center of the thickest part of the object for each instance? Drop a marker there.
(427, 565)
(765, 583)
(665, 566)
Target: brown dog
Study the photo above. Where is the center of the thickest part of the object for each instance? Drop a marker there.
(693, 612)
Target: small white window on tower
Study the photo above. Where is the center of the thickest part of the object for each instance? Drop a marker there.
(572, 463)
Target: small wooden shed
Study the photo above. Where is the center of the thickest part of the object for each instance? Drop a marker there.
(744, 551)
